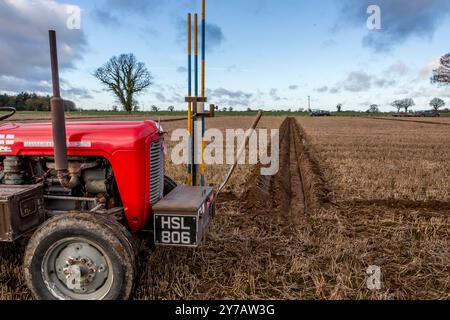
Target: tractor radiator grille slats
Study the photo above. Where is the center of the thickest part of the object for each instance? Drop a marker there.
(156, 172)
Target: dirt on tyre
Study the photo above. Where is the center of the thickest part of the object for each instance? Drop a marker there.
(80, 256)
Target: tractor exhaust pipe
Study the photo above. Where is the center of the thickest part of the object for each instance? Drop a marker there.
(59, 122)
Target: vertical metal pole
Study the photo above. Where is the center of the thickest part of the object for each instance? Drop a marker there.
(57, 110)
(194, 138)
(190, 162)
(54, 63)
(202, 176)
(196, 53)
(203, 46)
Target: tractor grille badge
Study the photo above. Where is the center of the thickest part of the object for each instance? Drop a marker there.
(6, 139)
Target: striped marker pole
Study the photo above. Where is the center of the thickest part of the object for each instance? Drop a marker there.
(194, 166)
(202, 177)
(190, 162)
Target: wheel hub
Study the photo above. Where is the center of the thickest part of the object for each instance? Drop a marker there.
(81, 268)
(79, 272)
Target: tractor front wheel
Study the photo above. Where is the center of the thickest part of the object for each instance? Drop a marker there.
(80, 256)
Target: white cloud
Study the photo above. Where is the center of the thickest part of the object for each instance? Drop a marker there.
(427, 70)
(24, 53)
(398, 69)
(360, 81)
(401, 20)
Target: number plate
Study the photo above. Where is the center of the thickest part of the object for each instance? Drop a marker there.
(176, 230)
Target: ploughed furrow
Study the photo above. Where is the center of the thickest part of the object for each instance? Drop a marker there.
(297, 201)
(298, 186)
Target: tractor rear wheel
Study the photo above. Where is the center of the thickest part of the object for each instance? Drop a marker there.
(80, 256)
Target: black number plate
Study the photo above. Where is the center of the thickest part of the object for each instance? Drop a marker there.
(176, 230)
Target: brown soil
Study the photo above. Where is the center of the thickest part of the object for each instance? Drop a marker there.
(414, 120)
(291, 236)
(297, 188)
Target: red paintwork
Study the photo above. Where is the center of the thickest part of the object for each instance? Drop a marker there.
(126, 145)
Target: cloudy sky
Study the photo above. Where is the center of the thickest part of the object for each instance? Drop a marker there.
(261, 53)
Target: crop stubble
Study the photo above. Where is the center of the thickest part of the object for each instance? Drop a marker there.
(311, 231)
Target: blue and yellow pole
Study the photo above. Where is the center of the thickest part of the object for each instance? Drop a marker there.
(190, 162)
(194, 167)
(202, 177)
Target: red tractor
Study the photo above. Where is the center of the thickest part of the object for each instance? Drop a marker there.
(87, 187)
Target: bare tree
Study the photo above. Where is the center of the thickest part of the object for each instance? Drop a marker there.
(339, 107)
(397, 104)
(403, 104)
(374, 109)
(407, 103)
(441, 75)
(437, 103)
(171, 108)
(125, 77)
(155, 108)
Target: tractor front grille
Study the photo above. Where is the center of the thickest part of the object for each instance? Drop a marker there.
(156, 171)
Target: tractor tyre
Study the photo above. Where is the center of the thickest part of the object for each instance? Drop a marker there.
(129, 241)
(169, 185)
(80, 256)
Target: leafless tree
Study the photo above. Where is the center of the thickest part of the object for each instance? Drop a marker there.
(403, 104)
(408, 103)
(374, 109)
(125, 77)
(437, 103)
(441, 75)
(397, 104)
(339, 107)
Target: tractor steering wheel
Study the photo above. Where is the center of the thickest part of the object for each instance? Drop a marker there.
(10, 109)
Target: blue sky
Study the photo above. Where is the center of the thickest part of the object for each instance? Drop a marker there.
(270, 54)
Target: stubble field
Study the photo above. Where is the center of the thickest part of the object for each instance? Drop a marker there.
(351, 193)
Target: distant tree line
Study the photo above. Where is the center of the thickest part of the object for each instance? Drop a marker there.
(406, 104)
(25, 101)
